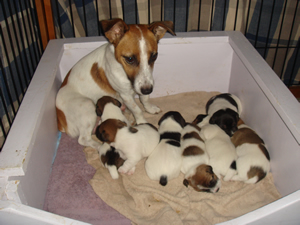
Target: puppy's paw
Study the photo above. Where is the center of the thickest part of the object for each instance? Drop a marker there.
(152, 109)
(131, 171)
(122, 169)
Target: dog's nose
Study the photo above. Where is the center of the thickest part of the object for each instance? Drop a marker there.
(146, 90)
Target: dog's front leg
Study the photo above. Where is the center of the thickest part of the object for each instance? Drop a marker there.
(134, 108)
(150, 108)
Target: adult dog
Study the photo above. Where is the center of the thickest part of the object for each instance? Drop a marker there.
(121, 68)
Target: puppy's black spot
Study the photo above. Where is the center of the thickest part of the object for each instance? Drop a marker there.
(174, 143)
(233, 165)
(226, 119)
(186, 182)
(171, 135)
(163, 180)
(199, 118)
(176, 116)
(192, 135)
(133, 130)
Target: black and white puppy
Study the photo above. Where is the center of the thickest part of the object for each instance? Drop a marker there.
(132, 143)
(110, 108)
(224, 110)
(195, 162)
(221, 151)
(253, 162)
(164, 163)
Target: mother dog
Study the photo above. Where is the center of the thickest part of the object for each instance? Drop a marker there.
(121, 69)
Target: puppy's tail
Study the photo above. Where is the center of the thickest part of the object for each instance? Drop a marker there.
(231, 171)
(163, 180)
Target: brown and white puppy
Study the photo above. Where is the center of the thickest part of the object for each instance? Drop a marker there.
(110, 108)
(221, 151)
(224, 110)
(121, 68)
(195, 162)
(164, 163)
(253, 162)
(132, 143)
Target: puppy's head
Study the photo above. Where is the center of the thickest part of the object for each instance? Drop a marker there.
(106, 131)
(103, 101)
(175, 116)
(136, 49)
(203, 180)
(226, 119)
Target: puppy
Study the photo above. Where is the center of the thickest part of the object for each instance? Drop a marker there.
(132, 143)
(195, 162)
(121, 68)
(110, 108)
(221, 151)
(164, 163)
(224, 110)
(201, 120)
(253, 162)
(111, 159)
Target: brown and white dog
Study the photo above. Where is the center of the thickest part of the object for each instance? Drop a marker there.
(132, 143)
(164, 163)
(195, 162)
(253, 162)
(110, 108)
(221, 151)
(121, 68)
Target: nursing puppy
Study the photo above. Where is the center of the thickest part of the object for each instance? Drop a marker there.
(253, 162)
(195, 162)
(164, 163)
(110, 108)
(121, 68)
(221, 151)
(224, 110)
(132, 143)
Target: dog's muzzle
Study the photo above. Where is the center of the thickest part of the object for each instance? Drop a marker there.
(146, 90)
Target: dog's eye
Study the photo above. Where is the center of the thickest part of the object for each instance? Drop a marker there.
(131, 60)
(153, 57)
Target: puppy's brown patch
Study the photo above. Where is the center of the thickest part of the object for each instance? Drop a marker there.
(203, 177)
(192, 135)
(103, 101)
(264, 151)
(192, 150)
(61, 121)
(245, 135)
(100, 79)
(107, 130)
(256, 171)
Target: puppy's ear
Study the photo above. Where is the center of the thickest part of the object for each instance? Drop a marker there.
(186, 182)
(114, 30)
(120, 124)
(116, 102)
(160, 28)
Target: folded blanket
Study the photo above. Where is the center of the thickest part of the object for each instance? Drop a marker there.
(144, 201)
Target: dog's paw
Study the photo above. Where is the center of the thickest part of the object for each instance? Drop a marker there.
(122, 169)
(131, 171)
(152, 109)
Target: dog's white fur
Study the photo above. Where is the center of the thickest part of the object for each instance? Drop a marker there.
(165, 160)
(220, 149)
(116, 71)
(250, 155)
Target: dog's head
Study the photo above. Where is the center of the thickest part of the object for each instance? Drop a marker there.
(103, 101)
(203, 180)
(107, 131)
(174, 116)
(136, 49)
(226, 119)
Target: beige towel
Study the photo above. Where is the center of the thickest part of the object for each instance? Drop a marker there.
(144, 201)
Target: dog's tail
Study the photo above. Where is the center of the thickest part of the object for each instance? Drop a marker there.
(231, 171)
(163, 180)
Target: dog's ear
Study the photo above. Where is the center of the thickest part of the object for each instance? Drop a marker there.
(114, 30)
(160, 28)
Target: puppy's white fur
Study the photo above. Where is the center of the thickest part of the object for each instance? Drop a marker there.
(251, 156)
(221, 103)
(164, 163)
(135, 146)
(220, 149)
